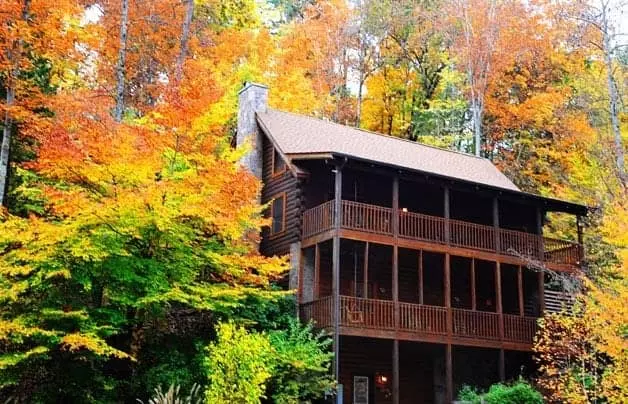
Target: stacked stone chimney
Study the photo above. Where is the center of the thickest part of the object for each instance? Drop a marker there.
(252, 98)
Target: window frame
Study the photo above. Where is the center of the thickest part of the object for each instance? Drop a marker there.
(275, 172)
(284, 204)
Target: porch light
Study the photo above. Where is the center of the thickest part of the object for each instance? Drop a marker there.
(404, 209)
(381, 380)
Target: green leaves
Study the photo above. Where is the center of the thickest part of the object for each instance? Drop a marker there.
(285, 366)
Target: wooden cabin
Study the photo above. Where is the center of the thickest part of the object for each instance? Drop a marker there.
(427, 266)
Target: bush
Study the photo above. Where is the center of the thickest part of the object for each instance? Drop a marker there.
(520, 392)
(283, 366)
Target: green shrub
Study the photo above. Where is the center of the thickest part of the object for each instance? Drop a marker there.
(239, 365)
(283, 366)
(520, 392)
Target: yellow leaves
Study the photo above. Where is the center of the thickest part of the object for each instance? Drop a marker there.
(14, 331)
(9, 360)
(61, 274)
(78, 342)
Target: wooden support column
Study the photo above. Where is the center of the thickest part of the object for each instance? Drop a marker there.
(421, 288)
(473, 286)
(395, 263)
(502, 365)
(395, 376)
(365, 287)
(541, 274)
(395, 207)
(336, 267)
(539, 232)
(446, 214)
(317, 271)
(520, 289)
(580, 239)
(498, 299)
(449, 374)
(447, 282)
(496, 235)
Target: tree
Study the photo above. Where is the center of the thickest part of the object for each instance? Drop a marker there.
(120, 66)
(583, 356)
(33, 36)
(596, 24)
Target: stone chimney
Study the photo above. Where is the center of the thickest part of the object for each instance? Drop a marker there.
(251, 99)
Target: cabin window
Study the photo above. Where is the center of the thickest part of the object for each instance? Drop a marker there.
(278, 214)
(279, 166)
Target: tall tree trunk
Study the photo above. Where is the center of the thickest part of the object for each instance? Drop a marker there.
(477, 115)
(185, 38)
(358, 111)
(121, 66)
(5, 147)
(613, 99)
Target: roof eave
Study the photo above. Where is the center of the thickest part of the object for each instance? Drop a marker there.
(551, 204)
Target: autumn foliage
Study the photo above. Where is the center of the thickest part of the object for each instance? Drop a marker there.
(124, 242)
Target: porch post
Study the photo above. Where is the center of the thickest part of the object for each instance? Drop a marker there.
(496, 225)
(580, 238)
(498, 298)
(395, 259)
(449, 374)
(473, 292)
(502, 365)
(447, 285)
(539, 231)
(317, 271)
(365, 289)
(446, 213)
(541, 273)
(520, 289)
(420, 276)
(395, 380)
(336, 268)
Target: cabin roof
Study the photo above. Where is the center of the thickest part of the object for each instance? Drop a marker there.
(301, 137)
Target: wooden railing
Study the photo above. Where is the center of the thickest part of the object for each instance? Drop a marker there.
(475, 324)
(561, 251)
(465, 234)
(365, 217)
(319, 311)
(367, 313)
(519, 329)
(422, 227)
(422, 318)
(318, 219)
(416, 226)
(520, 243)
(374, 314)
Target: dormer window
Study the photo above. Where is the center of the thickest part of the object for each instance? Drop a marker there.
(279, 166)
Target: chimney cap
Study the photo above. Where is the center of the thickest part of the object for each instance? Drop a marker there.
(248, 84)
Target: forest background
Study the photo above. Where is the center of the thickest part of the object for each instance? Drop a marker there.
(128, 230)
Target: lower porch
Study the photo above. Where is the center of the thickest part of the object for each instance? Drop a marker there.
(369, 374)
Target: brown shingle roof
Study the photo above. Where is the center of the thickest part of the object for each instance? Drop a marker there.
(298, 134)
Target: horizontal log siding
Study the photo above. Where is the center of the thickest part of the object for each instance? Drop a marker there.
(275, 185)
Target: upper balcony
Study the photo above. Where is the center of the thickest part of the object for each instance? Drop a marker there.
(378, 221)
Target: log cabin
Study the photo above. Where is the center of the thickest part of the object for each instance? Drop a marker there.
(428, 267)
